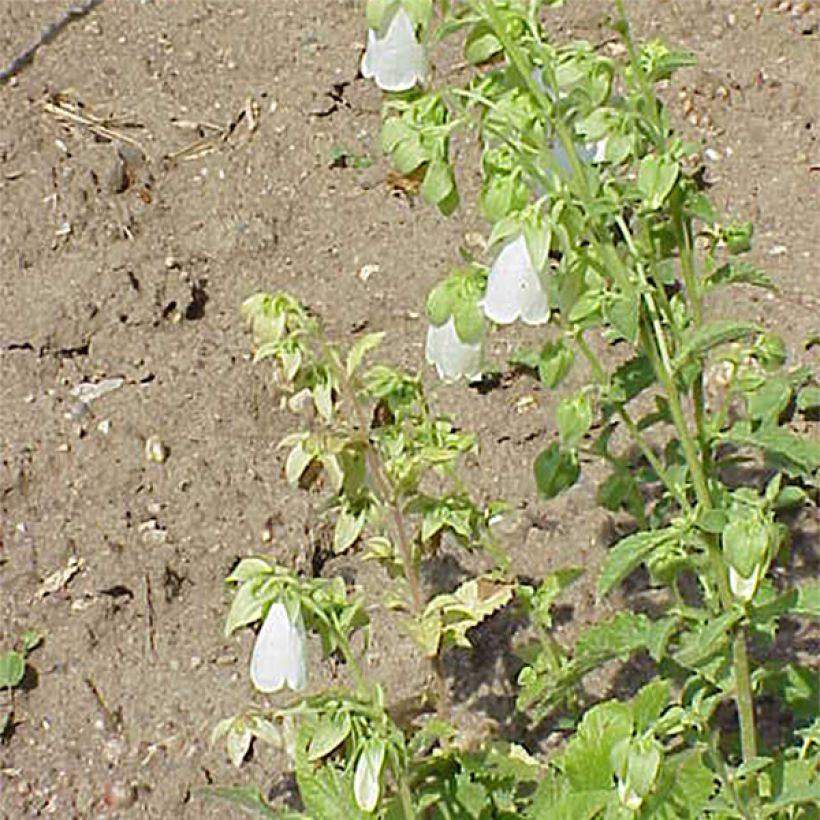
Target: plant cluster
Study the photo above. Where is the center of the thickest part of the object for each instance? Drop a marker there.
(602, 232)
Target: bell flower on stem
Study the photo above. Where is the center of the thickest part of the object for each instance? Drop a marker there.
(453, 358)
(394, 58)
(515, 289)
(280, 654)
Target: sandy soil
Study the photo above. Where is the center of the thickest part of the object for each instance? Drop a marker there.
(114, 265)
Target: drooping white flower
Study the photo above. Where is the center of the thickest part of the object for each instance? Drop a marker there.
(514, 288)
(280, 654)
(367, 778)
(394, 58)
(453, 358)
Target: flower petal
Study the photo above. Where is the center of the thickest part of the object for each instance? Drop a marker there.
(397, 61)
(514, 289)
(367, 778)
(452, 357)
(279, 656)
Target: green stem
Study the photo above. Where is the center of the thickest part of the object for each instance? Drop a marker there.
(744, 696)
(631, 426)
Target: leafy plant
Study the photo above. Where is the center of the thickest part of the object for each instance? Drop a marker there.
(599, 228)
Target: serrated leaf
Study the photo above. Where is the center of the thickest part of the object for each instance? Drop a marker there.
(740, 273)
(699, 645)
(627, 554)
(248, 798)
(711, 335)
(798, 455)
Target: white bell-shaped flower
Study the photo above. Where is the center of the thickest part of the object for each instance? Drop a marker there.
(394, 58)
(367, 778)
(744, 588)
(280, 654)
(514, 288)
(453, 358)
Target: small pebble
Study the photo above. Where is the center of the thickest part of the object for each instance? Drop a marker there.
(119, 795)
(156, 451)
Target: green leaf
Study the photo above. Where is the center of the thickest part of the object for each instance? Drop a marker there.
(808, 599)
(469, 320)
(326, 793)
(631, 379)
(648, 704)
(797, 455)
(622, 311)
(248, 798)
(708, 336)
(440, 302)
(30, 640)
(238, 741)
(554, 363)
(348, 528)
(555, 470)
(481, 44)
(656, 178)
(769, 400)
(746, 540)
(573, 417)
(740, 273)
(738, 238)
(409, 154)
(587, 758)
(808, 399)
(360, 349)
(330, 732)
(438, 181)
(12, 669)
(249, 568)
(701, 643)
(629, 553)
(248, 603)
(793, 797)
(298, 460)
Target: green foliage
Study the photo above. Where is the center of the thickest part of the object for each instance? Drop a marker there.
(579, 158)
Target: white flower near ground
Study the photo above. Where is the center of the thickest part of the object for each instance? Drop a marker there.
(514, 288)
(453, 359)
(367, 778)
(395, 59)
(280, 654)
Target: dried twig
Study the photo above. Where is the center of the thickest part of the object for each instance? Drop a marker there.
(94, 124)
(74, 12)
